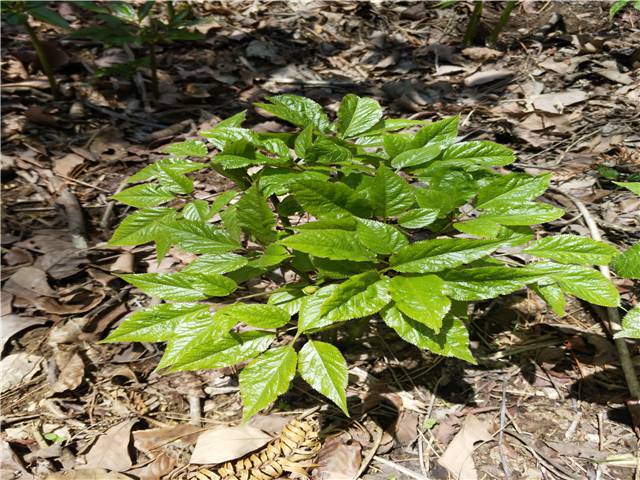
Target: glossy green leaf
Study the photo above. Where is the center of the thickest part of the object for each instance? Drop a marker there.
(328, 151)
(396, 143)
(421, 298)
(299, 111)
(303, 142)
(360, 296)
(390, 195)
(157, 323)
(323, 367)
(197, 237)
(255, 216)
(209, 349)
(279, 180)
(289, 299)
(216, 263)
(197, 211)
(221, 201)
(451, 341)
(145, 195)
(479, 226)
(418, 217)
(440, 254)
(332, 244)
(481, 283)
(46, 14)
(174, 181)
(380, 237)
(432, 199)
(254, 314)
(632, 186)
(273, 255)
(181, 287)
(329, 199)
(572, 249)
(176, 165)
(514, 188)
(553, 295)
(266, 378)
(309, 317)
(627, 264)
(142, 226)
(357, 115)
(441, 132)
(480, 153)
(524, 213)
(188, 148)
(630, 324)
(340, 269)
(416, 157)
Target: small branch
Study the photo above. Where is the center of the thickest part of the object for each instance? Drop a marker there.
(44, 61)
(75, 218)
(399, 468)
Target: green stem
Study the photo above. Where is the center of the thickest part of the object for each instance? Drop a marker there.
(44, 61)
(155, 89)
(474, 22)
(504, 17)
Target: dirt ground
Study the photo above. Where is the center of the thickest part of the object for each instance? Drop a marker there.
(546, 400)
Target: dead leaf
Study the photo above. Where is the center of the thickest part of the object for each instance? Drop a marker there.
(12, 324)
(220, 445)
(272, 424)
(36, 114)
(162, 465)
(71, 374)
(18, 368)
(457, 458)
(88, 474)
(555, 102)
(125, 263)
(486, 76)
(338, 459)
(481, 53)
(151, 441)
(6, 306)
(111, 450)
(67, 164)
(10, 465)
(29, 283)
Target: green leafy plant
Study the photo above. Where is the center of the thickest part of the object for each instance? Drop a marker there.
(20, 13)
(387, 220)
(124, 23)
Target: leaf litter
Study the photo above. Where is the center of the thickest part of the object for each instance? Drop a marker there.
(570, 108)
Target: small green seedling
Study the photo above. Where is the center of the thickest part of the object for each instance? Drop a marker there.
(618, 5)
(124, 23)
(361, 218)
(19, 13)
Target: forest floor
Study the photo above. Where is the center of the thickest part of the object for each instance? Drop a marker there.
(546, 400)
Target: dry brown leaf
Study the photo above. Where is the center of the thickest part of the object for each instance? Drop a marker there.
(482, 53)
(555, 102)
(160, 466)
(71, 374)
(12, 324)
(88, 474)
(18, 368)
(338, 459)
(29, 283)
(221, 445)
(486, 76)
(152, 440)
(67, 164)
(111, 450)
(457, 458)
(10, 465)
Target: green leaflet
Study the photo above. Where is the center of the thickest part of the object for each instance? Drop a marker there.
(627, 264)
(176, 165)
(553, 295)
(145, 195)
(480, 227)
(300, 111)
(452, 341)
(325, 199)
(396, 143)
(157, 323)
(256, 315)
(310, 317)
(481, 283)
(289, 300)
(279, 180)
(357, 115)
(142, 226)
(188, 148)
(582, 282)
(197, 211)
(416, 157)
(390, 194)
(632, 186)
(421, 299)
(266, 378)
(210, 349)
(197, 237)
(525, 213)
(323, 367)
(477, 154)
(380, 237)
(418, 218)
(220, 263)
(174, 181)
(360, 296)
(572, 249)
(332, 244)
(440, 254)
(441, 132)
(630, 324)
(512, 188)
(181, 286)
(255, 217)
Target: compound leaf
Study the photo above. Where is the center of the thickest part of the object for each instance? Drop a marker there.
(145, 195)
(256, 315)
(332, 244)
(142, 226)
(181, 286)
(255, 217)
(188, 148)
(572, 249)
(357, 115)
(360, 296)
(421, 299)
(300, 111)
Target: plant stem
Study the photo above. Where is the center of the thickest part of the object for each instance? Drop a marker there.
(626, 362)
(504, 17)
(155, 90)
(44, 61)
(474, 22)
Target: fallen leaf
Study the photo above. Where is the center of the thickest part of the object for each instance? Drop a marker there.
(457, 458)
(71, 374)
(12, 324)
(29, 283)
(18, 368)
(10, 465)
(150, 441)
(481, 53)
(111, 450)
(220, 445)
(555, 102)
(487, 76)
(160, 466)
(67, 164)
(338, 459)
(272, 424)
(88, 474)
